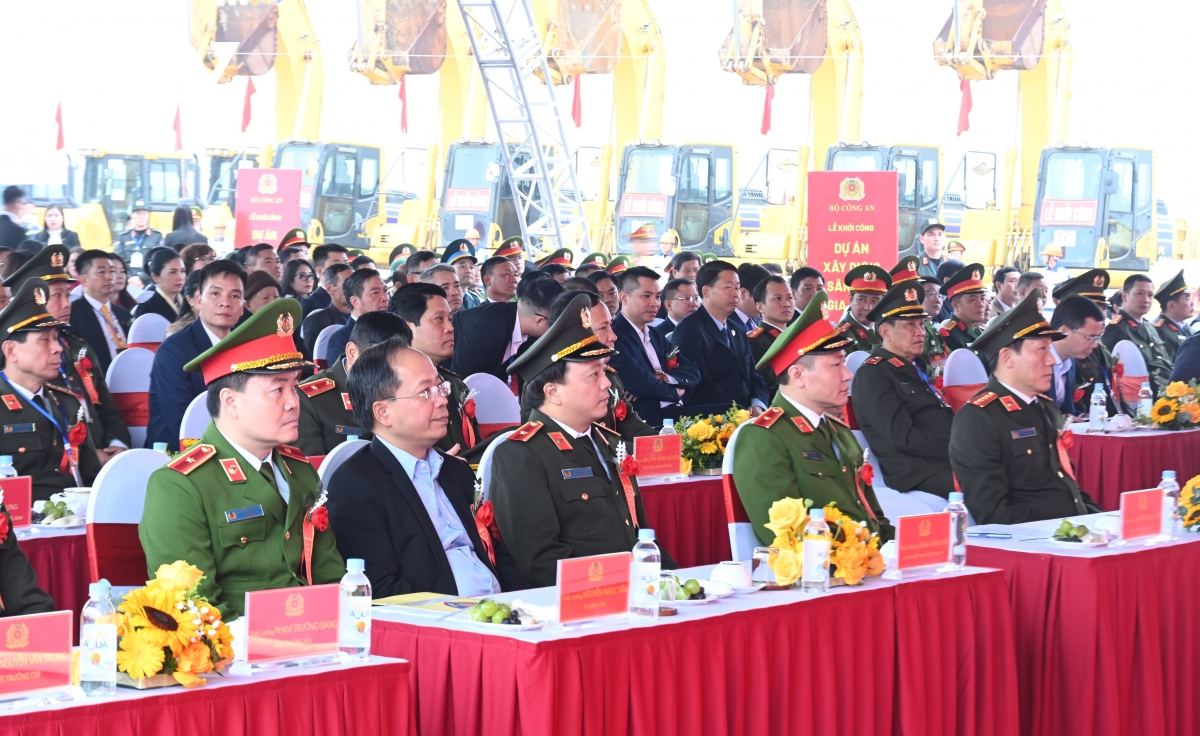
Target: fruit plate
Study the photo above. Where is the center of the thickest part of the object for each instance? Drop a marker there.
(1076, 545)
(752, 589)
(504, 628)
(713, 590)
(76, 525)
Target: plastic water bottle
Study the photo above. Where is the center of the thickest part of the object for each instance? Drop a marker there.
(352, 438)
(643, 577)
(354, 629)
(1145, 401)
(958, 530)
(98, 643)
(668, 427)
(1098, 411)
(160, 446)
(1170, 489)
(814, 574)
(6, 467)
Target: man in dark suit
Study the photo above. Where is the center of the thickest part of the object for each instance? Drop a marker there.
(100, 323)
(681, 299)
(324, 256)
(717, 347)
(365, 292)
(489, 336)
(219, 307)
(12, 232)
(400, 504)
(336, 313)
(657, 377)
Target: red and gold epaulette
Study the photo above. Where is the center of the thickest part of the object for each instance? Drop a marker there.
(984, 398)
(292, 452)
(1159, 322)
(944, 330)
(755, 332)
(1010, 403)
(319, 386)
(836, 418)
(525, 431)
(896, 362)
(873, 360)
(61, 390)
(1116, 320)
(610, 369)
(768, 417)
(192, 459)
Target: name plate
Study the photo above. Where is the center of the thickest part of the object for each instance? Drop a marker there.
(590, 587)
(658, 454)
(18, 499)
(1141, 513)
(35, 652)
(288, 623)
(922, 540)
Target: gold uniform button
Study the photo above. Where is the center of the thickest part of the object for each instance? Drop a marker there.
(1028, 451)
(1060, 474)
(245, 539)
(584, 497)
(287, 536)
(627, 522)
(20, 449)
(843, 468)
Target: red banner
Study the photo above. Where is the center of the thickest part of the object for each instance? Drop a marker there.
(644, 205)
(468, 200)
(922, 540)
(292, 622)
(1141, 513)
(853, 219)
(590, 587)
(35, 652)
(1068, 212)
(268, 205)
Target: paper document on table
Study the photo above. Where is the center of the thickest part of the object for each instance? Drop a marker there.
(427, 603)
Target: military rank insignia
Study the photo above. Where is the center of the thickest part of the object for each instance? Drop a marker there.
(896, 362)
(233, 470)
(346, 401)
(873, 360)
(1010, 403)
(559, 440)
(11, 402)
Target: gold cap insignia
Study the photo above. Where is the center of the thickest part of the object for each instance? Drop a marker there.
(976, 275)
(585, 317)
(869, 276)
(912, 265)
(462, 248)
(910, 295)
(39, 297)
(1098, 281)
(56, 260)
(284, 326)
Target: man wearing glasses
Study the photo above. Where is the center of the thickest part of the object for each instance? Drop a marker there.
(681, 299)
(1081, 362)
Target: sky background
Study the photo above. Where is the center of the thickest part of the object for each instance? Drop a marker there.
(120, 68)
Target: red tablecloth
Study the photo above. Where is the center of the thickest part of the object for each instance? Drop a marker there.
(370, 699)
(919, 658)
(688, 519)
(1105, 645)
(61, 564)
(1106, 465)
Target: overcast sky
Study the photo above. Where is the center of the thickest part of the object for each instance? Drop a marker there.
(120, 68)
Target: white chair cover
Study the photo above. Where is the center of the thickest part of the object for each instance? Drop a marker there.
(742, 539)
(335, 459)
(485, 463)
(195, 419)
(149, 328)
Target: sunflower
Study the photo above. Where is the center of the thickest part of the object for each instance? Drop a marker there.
(140, 655)
(1164, 411)
(1178, 389)
(159, 614)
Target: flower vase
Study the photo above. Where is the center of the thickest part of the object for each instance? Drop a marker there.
(707, 465)
(146, 683)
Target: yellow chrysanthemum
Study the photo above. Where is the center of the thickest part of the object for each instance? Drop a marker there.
(719, 419)
(1178, 389)
(140, 656)
(162, 616)
(709, 448)
(851, 559)
(741, 415)
(1164, 411)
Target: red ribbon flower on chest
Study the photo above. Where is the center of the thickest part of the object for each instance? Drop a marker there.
(318, 515)
(85, 362)
(77, 434)
(1077, 396)
(673, 359)
(620, 411)
(469, 408)
(867, 473)
(4, 528)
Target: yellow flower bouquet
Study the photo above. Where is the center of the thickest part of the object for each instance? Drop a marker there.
(1189, 502)
(1177, 407)
(166, 628)
(854, 551)
(705, 439)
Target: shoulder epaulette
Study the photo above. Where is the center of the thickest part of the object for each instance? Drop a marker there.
(192, 459)
(602, 425)
(1116, 320)
(610, 369)
(873, 360)
(61, 390)
(292, 452)
(319, 386)
(839, 420)
(525, 431)
(768, 417)
(1160, 321)
(984, 398)
(755, 332)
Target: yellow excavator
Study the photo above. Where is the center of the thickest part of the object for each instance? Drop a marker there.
(1096, 205)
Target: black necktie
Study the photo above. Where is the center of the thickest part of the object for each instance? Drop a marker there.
(266, 470)
(598, 461)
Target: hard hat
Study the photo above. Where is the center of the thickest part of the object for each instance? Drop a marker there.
(471, 233)
(1052, 249)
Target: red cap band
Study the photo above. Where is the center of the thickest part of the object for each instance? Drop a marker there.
(809, 337)
(971, 285)
(258, 353)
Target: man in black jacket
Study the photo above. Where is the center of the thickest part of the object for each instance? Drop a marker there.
(489, 336)
(94, 318)
(324, 256)
(402, 505)
(336, 313)
(12, 232)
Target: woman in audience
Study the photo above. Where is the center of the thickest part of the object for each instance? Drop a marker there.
(122, 298)
(299, 279)
(184, 232)
(165, 269)
(196, 257)
(55, 232)
(191, 291)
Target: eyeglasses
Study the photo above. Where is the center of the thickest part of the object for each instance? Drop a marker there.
(1090, 338)
(306, 276)
(689, 299)
(442, 389)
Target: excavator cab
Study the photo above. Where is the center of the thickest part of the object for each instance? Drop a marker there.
(113, 182)
(919, 168)
(686, 188)
(1098, 206)
(222, 180)
(476, 193)
(339, 186)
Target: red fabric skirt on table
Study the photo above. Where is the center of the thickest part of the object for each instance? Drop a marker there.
(688, 520)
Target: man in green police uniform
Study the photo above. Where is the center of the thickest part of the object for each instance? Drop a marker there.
(867, 286)
(968, 301)
(1178, 308)
(1131, 324)
(797, 448)
(237, 504)
(557, 488)
(1006, 446)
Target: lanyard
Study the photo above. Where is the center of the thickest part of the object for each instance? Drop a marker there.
(139, 239)
(60, 427)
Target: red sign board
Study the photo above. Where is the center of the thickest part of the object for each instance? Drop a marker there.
(922, 540)
(1068, 212)
(853, 219)
(35, 652)
(658, 454)
(468, 200)
(18, 499)
(644, 205)
(292, 622)
(268, 205)
(590, 587)
(1141, 513)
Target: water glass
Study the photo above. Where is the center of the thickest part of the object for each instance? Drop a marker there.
(666, 594)
(762, 564)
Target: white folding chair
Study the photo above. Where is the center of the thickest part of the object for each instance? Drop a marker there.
(195, 419)
(128, 380)
(742, 539)
(1136, 371)
(485, 463)
(963, 376)
(148, 331)
(114, 511)
(336, 457)
(321, 347)
(495, 406)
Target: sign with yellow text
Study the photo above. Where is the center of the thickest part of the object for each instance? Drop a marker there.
(1141, 513)
(268, 204)
(659, 454)
(286, 623)
(18, 499)
(853, 219)
(922, 540)
(35, 652)
(590, 587)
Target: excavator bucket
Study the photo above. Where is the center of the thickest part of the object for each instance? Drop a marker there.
(583, 37)
(398, 37)
(774, 37)
(252, 27)
(992, 36)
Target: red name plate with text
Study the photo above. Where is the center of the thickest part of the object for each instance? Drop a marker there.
(589, 587)
(1141, 513)
(922, 540)
(658, 454)
(18, 499)
(35, 652)
(286, 623)
(268, 204)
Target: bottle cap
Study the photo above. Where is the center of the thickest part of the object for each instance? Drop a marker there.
(5, 459)
(816, 514)
(160, 446)
(1169, 474)
(645, 535)
(351, 438)
(99, 589)
(668, 422)
(956, 497)
(1145, 384)
(354, 564)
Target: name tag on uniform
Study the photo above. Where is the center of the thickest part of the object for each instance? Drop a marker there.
(1020, 434)
(810, 455)
(20, 428)
(573, 473)
(342, 429)
(249, 512)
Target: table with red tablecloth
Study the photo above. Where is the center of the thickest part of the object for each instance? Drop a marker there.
(371, 698)
(928, 656)
(1106, 639)
(60, 559)
(1107, 465)
(688, 519)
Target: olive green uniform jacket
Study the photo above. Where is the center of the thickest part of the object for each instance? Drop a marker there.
(108, 424)
(956, 335)
(36, 446)
(326, 419)
(187, 515)
(779, 455)
(1148, 341)
(865, 338)
(19, 591)
(555, 502)
(1172, 334)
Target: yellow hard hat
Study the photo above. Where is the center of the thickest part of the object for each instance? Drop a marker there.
(470, 233)
(1052, 250)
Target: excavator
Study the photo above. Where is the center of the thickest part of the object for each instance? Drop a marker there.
(1096, 204)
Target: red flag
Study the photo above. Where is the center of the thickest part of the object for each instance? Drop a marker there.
(766, 121)
(403, 105)
(58, 119)
(178, 131)
(577, 104)
(246, 105)
(964, 110)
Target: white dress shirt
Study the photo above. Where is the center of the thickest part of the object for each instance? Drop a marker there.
(1023, 397)
(578, 435)
(256, 464)
(518, 339)
(814, 419)
(107, 326)
(1062, 367)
